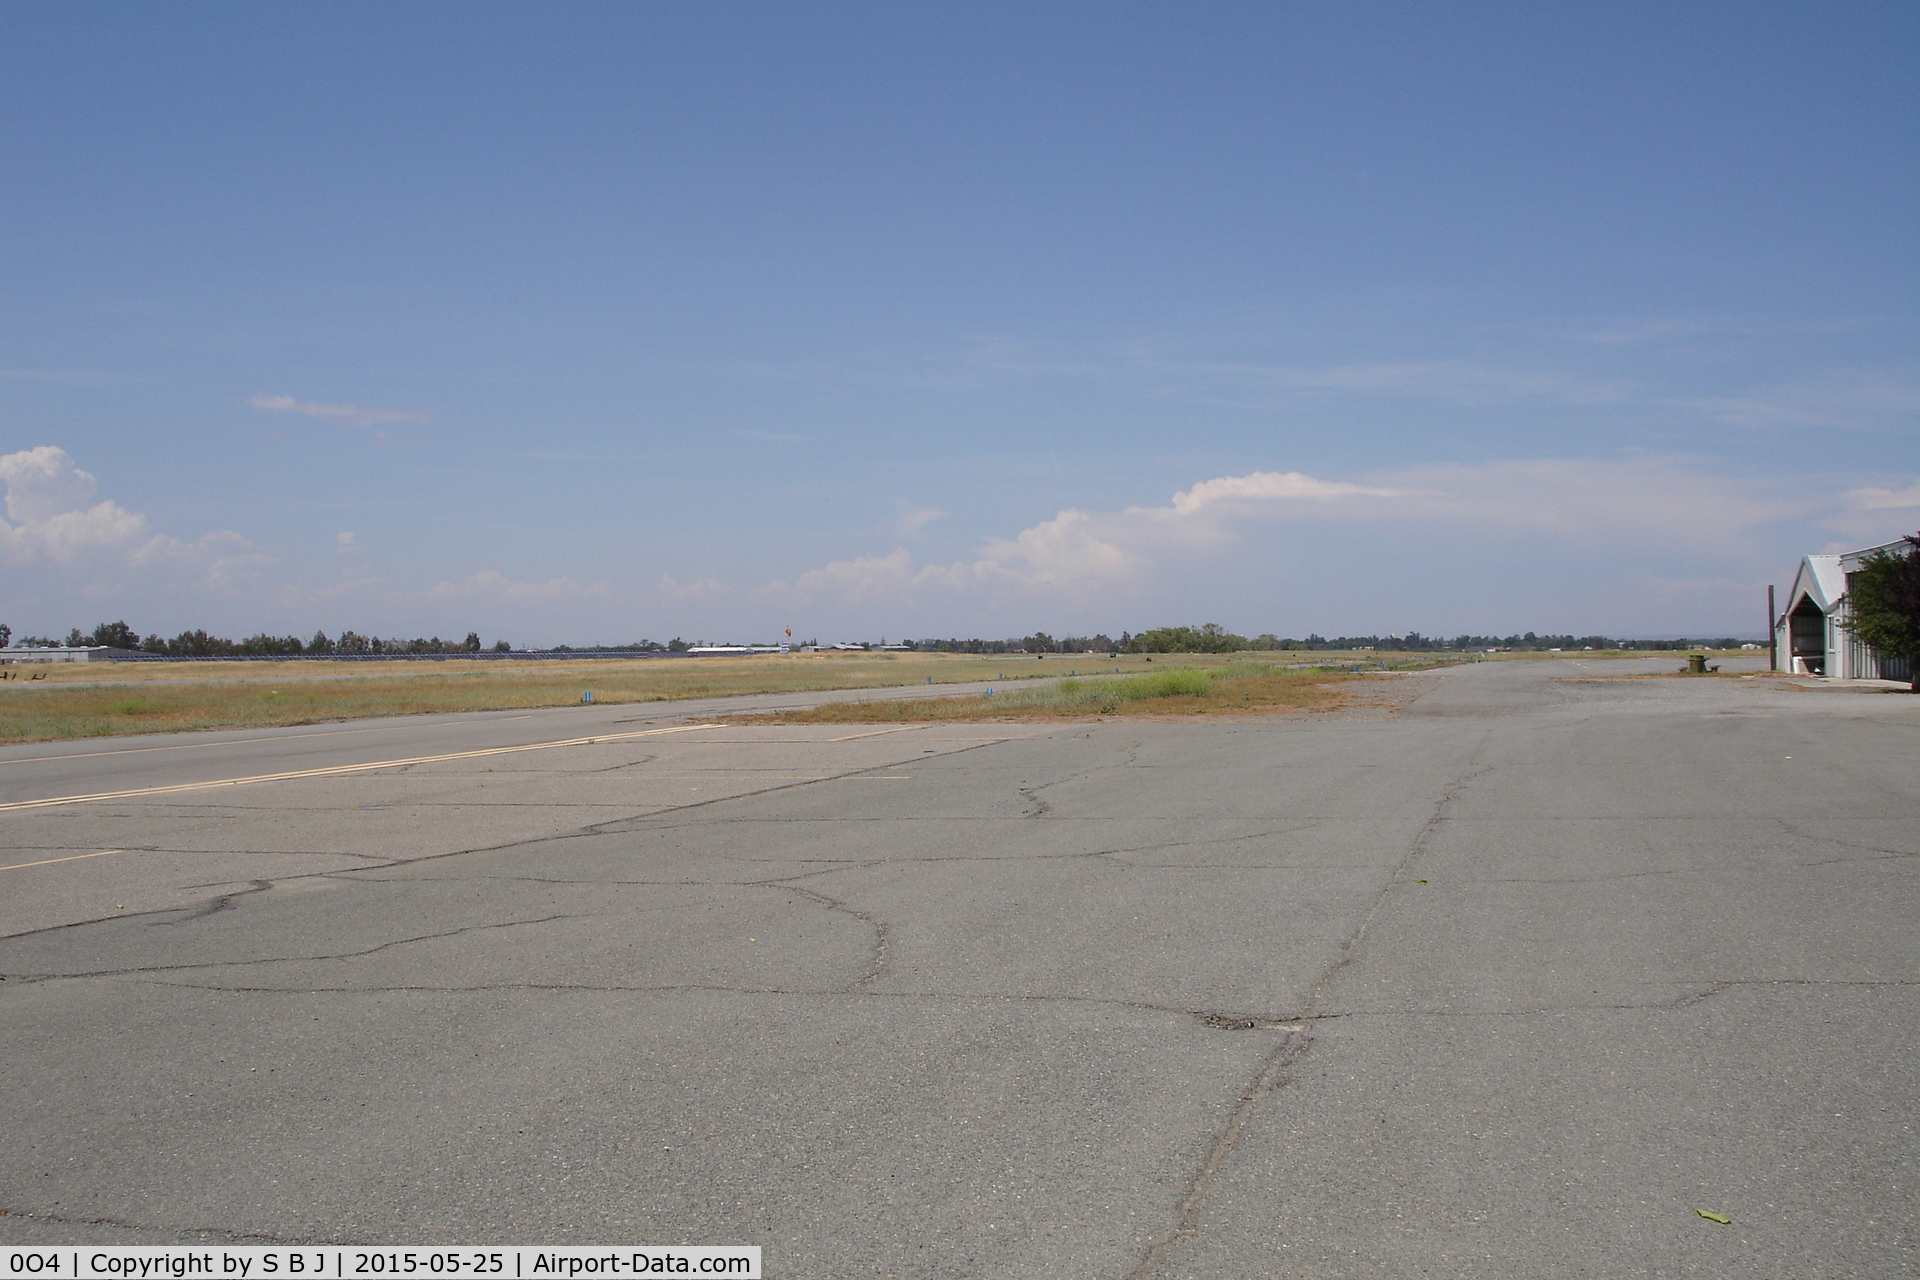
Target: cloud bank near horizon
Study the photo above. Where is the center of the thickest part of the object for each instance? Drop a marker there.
(1254, 534)
(1079, 554)
(54, 523)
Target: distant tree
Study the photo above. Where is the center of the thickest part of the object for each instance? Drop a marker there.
(74, 639)
(198, 644)
(352, 642)
(265, 645)
(1885, 604)
(677, 645)
(319, 643)
(501, 646)
(6, 634)
(1212, 638)
(472, 644)
(116, 635)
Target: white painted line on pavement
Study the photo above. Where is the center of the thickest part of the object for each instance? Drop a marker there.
(336, 770)
(47, 862)
(230, 742)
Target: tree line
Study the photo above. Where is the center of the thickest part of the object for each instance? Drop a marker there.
(1213, 638)
(1038, 642)
(201, 644)
(1208, 638)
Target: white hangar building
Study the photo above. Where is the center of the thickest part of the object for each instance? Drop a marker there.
(1811, 636)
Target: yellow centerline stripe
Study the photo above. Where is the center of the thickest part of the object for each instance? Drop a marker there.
(872, 733)
(337, 770)
(226, 742)
(22, 866)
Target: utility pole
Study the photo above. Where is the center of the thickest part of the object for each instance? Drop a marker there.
(1773, 634)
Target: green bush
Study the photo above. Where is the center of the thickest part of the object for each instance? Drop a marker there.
(1108, 694)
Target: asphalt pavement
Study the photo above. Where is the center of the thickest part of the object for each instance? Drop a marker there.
(1511, 980)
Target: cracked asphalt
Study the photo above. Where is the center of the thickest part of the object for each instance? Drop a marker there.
(1507, 980)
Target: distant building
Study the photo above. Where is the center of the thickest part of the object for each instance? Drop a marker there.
(84, 653)
(1811, 635)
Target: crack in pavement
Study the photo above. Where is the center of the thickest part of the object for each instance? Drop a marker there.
(801, 820)
(876, 965)
(210, 811)
(218, 1233)
(607, 826)
(1722, 869)
(1043, 806)
(1655, 1006)
(1040, 807)
(222, 902)
(1285, 829)
(882, 931)
(1214, 1019)
(1706, 990)
(1273, 1072)
(208, 853)
(259, 960)
(1792, 830)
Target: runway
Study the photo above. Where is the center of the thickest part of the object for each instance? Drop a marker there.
(1507, 983)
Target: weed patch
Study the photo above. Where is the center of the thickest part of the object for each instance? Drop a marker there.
(188, 696)
(173, 698)
(1237, 689)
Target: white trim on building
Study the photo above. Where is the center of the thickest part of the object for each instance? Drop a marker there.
(84, 653)
(1811, 635)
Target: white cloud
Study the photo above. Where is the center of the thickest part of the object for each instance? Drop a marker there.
(490, 584)
(859, 580)
(1633, 333)
(1639, 500)
(1855, 400)
(351, 414)
(1458, 381)
(1860, 403)
(913, 520)
(1882, 499)
(1078, 555)
(1872, 515)
(1270, 486)
(1455, 381)
(1074, 550)
(699, 589)
(54, 521)
(346, 542)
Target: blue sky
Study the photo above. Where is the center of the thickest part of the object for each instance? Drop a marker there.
(585, 323)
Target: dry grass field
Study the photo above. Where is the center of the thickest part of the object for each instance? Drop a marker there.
(1230, 688)
(87, 700)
